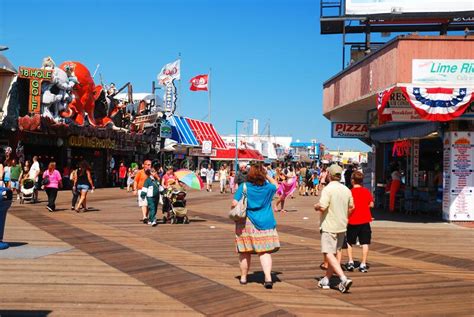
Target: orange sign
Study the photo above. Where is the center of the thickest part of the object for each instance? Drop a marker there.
(36, 77)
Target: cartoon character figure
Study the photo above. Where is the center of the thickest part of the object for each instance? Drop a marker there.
(57, 94)
(90, 101)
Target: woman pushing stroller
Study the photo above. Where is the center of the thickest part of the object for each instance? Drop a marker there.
(151, 190)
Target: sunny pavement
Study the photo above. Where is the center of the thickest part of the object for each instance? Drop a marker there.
(105, 262)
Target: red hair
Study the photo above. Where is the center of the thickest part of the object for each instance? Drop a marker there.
(256, 175)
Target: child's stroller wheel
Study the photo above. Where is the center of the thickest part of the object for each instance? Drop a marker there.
(165, 219)
(173, 220)
(186, 220)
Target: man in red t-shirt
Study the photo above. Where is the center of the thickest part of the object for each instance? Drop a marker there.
(359, 221)
(122, 175)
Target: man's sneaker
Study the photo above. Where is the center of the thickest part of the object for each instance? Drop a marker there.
(49, 209)
(323, 285)
(344, 286)
(154, 223)
(363, 269)
(350, 266)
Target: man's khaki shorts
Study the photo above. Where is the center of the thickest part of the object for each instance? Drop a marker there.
(331, 242)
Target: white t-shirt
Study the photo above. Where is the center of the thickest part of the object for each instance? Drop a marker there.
(338, 199)
(34, 171)
(210, 174)
(203, 172)
(222, 175)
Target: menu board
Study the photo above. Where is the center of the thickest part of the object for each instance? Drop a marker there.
(458, 192)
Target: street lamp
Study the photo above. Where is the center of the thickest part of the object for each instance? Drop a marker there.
(237, 145)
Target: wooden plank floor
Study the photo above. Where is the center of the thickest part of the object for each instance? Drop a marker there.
(121, 267)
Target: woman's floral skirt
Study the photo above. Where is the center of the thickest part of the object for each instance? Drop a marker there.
(250, 239)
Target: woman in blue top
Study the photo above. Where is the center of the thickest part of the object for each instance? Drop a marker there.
(257, 234)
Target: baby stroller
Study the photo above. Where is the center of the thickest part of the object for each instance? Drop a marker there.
(27, 191)
(178, 210)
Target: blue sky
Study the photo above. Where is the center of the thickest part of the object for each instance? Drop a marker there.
(268, 59)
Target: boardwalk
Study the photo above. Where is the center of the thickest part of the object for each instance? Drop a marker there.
(104, 262)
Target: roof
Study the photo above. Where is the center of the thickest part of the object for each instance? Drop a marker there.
(181, 131)
(205, 131)
(6, 65)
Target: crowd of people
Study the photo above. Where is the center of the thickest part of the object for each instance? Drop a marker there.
(344, 203)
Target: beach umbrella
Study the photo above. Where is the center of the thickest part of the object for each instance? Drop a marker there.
(189, 178)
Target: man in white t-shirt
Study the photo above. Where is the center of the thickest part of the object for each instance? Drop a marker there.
(203, 173)
(33, 174)
(335, 205)
(209, 178)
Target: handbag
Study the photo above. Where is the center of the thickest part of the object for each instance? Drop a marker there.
(45, 181)
(239, 212)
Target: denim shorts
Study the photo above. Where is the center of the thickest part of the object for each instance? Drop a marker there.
(15, 185)
(82, 188)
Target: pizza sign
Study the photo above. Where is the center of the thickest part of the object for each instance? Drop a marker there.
(349, 130)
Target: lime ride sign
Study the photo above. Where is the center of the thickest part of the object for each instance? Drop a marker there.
(36, 77)
(443, 71)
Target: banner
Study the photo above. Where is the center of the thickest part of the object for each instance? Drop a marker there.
(169, 72)
(438, 104)
(433, 104)
(200, 82)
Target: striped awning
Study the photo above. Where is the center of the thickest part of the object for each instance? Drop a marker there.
(182, 132)
(205, 131)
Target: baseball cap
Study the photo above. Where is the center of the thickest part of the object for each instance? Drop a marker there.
(334, 169)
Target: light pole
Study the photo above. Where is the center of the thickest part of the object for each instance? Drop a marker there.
(237, 145)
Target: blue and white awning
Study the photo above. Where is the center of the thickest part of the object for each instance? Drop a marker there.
(181, 131)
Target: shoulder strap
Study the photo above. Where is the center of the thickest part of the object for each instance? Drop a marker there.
(245, 188)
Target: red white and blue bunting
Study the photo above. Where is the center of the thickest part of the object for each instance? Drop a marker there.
(433, 104)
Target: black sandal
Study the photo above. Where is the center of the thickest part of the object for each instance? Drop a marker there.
(268, 285)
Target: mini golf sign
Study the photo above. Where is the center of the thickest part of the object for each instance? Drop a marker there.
(349, 130)
(36, 77)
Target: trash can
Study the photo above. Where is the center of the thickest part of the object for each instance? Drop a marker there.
(6, 196)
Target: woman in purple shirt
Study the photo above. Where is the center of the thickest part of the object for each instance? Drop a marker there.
(52, 180)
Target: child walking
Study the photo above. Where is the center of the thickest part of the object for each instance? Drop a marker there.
(232, 182)
(358, 227)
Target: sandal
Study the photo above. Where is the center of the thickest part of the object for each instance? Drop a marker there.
(268, 285)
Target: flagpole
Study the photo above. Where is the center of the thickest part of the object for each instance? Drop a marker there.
(179, 85)
(209, 94)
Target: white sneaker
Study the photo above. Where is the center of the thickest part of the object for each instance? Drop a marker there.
(323, 285)
(344, 286)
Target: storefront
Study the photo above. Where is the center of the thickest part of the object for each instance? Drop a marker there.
(416, 104)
